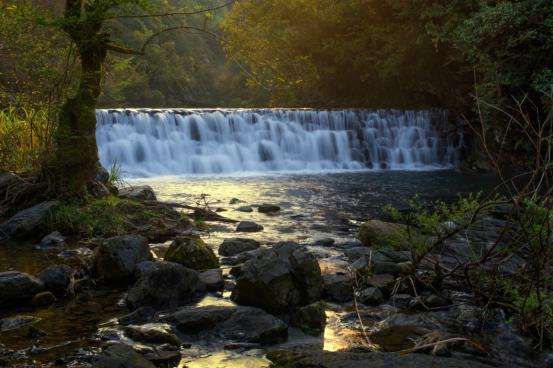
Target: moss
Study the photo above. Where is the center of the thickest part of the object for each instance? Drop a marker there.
(192, 252)
(380, 234)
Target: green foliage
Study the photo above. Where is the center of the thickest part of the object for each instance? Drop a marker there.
(25, 139)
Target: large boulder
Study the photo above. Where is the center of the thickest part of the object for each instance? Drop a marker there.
(233, 246)
(27, 221)
(115, 259)
(279, 279)
(17, 287)
(59, 279)
(121, 356)
(142, 192)
(157, 333)
(235, 323)
(192, 252)
(248, 227)
(382, 234)
(163, 285)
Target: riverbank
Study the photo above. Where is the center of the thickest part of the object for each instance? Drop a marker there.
(161, 295)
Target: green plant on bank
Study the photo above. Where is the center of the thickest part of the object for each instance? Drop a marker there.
(25, 138)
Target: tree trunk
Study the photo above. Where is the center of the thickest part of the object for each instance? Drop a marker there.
(76, 158)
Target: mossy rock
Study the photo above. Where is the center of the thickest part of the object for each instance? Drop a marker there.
(311, 319)
(380, 234)
(192, 252)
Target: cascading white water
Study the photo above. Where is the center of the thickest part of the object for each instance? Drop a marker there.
(197, 141)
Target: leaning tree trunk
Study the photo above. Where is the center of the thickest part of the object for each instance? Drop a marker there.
(76, 157)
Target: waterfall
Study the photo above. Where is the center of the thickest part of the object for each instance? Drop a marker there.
(149, 142)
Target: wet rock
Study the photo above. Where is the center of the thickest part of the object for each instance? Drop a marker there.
(435, 301)
(212, 279)
(338, 287)
(396, 255)
(164, 358)
(27, 221)
(191, 252)
(392, 268)
(311, 319)
(17, 322)
(234, 246)
(142, 192)
(248, 227)
(234, 201)
(325, 242)
(384, 282)
(17, 287)
(381, 234)
(245, 209)
(401, 301)
(163, 285)
(324, 359)
(121, 356)
(115, 259)
(278, 279)
(235, 323)
(43, 299)
(52, 240)
(371, 296)
(268, 208)
(140, 315)
(59, 279)
(355, 253)
(158, 333)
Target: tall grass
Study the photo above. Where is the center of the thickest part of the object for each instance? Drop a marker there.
(26, 138)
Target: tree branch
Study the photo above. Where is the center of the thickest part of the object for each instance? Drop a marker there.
(124, 50)
(173, 13)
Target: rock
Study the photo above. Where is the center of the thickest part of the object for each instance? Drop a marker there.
(392, 268)
(236, 323)
(401, 301)
(338, 287)
(245, 209)
(58, 279)
(163, 285)
(140, 315)
(248, 227)
(234, 201)
(27, 221)
(43, 299)
(52, 240)
(268, 208)
(17, 322)
(396, 255)
(435, 301)
(115, 259)
(278, 279)
(371, 296)
(324, 359)
(212, 279)
(17, 287)
(102, 175)
(191, 252)
(384, 282)
(234, 246)
(164, 358)
(121, 356)
(311, 319)
(142, 192)
(325, 242)
(381, 234)
(158, 333)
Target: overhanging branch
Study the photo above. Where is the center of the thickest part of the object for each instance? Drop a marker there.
(193, 12)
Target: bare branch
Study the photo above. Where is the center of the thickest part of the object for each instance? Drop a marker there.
(207, 10)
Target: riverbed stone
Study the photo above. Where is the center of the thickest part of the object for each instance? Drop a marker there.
(115, 259)
(164, 285)
(401, 301)
(248, 227)
(28, 221)
(338, 287)
(17, 287)
(382, 234)
(52, 240)
(278, 279)
(121, 356)
(212, 279)
(158, 333)
(138, 316)
(235, 323)
(59, 279)
(192, 252)
(385, 282)
(17, 322)
(268, 208)
(311, 319)
(43, 299)
(435, 301)
(245, 209)
(141, 192)
(371, 296)
(233, 246)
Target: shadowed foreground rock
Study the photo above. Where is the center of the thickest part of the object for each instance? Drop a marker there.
(325, 359)
(192, 252)
(16, 287)
(28, 220)
(116, 258)
(121, 356)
